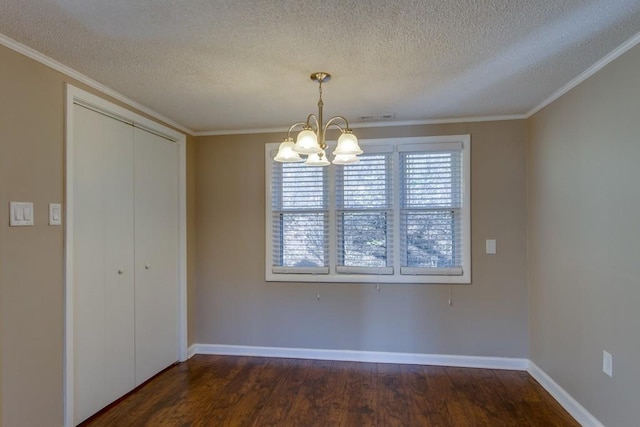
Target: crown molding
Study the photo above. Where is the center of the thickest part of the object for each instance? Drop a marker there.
(374, 124)
(70, 72)
(52, 63)
(240, 131)
(624, 47)
(471, 119)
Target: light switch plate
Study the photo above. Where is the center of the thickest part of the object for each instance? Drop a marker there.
(490, 247)
(55, 214)
(607, 363)
(20, 214)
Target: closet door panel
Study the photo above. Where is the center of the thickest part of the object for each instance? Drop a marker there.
(103, 261)
(88, 274)
(156, 253)
(119, 262)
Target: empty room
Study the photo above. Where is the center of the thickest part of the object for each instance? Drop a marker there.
(336, 213)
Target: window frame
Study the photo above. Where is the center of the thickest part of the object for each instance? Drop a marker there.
(290, 274)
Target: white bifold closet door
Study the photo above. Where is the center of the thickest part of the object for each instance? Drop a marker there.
(156, 253)
(104, 336)
(125, 258)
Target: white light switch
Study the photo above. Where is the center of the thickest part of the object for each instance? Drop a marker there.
(607, 363)
(490, 247)
(20, 214)
(55, 214)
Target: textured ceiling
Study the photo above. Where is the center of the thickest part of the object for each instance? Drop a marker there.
(214, 65)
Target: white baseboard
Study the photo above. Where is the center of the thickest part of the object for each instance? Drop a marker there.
(571, 405)
(364, 356)
(191, 351)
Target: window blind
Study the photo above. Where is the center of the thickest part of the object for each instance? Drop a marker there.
(400, 215)
(430, 211)
(300, 203)
(364, 215)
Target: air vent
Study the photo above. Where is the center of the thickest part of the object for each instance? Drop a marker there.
(377, 117)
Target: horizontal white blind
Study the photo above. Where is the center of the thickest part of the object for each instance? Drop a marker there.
(364, 214)
(431, 212)
(400, 215)
(300, 218)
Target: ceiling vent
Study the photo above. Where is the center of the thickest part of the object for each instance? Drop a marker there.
(377, 117)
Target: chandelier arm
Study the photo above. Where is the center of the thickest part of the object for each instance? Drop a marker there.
(315, 119)
(293, 127)
(332, 119)
(314, 132)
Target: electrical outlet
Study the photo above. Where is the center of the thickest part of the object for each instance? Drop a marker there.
(607, 363)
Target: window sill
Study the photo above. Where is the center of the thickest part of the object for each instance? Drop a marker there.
(368, 278)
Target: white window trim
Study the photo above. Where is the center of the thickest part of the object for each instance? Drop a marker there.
(390, 274)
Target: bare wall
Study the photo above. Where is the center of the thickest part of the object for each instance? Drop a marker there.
(236, 306)
(32, 258)
(584, 240)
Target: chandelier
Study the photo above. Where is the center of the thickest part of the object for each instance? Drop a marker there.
(311, 139)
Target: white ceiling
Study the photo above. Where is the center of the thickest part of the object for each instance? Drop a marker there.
(218, 65)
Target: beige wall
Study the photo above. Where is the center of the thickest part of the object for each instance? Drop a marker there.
(236, 306)
(31, 115)
(31, 272)
(584, 240)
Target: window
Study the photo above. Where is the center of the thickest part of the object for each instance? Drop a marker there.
(401, 215)
(300, 218)
(364, 215)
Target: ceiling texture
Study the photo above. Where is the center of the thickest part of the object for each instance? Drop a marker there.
(229, 65)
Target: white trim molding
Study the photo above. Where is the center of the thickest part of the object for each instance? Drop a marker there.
(361, 125)
(191, 351)
(485, 362)
(624, 47)
(70, 72)
(575, 409)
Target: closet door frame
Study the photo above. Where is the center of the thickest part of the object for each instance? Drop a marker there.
(75, 95)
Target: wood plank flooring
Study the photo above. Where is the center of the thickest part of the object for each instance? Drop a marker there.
(253, 391)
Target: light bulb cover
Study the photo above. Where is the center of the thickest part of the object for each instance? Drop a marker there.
(317, 159)
(345, 159)
(286, 153)
(347, 144)
(307, 142)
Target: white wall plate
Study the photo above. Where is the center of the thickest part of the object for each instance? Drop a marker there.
(20, 214)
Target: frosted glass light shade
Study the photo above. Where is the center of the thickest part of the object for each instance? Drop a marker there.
(307, 142)
(317, 159)
(345, 159)
(286, 153)
(348, 144)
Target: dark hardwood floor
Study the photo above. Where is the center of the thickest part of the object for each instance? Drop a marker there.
(253, 391)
